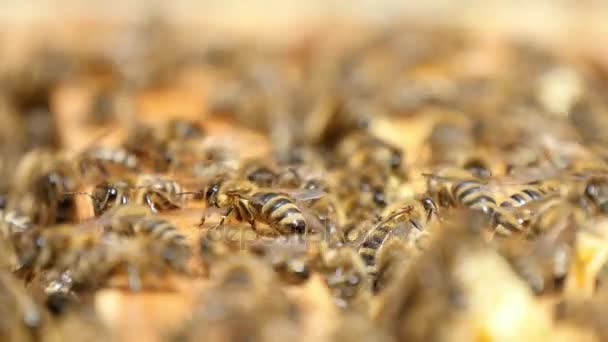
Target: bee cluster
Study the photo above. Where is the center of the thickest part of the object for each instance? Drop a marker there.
(420, 184)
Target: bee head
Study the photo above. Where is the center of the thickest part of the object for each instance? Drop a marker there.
(211, 194)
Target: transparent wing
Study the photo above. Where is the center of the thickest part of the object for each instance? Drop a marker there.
(305, 194)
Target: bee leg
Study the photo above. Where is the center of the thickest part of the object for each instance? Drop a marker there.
(226, 214)
(203, 220)
(150, 204)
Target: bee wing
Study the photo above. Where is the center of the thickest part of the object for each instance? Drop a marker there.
(94, 222)
(300, 196)
(305, 195)
(488, 185)
(312, 221)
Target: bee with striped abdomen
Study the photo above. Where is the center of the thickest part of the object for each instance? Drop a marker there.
(411, 216)
(42, 179)
(247, 203)
(158, 193)
(152, 244)
(133, 220)
(81, 252)
(393, 257)
(344, 273)
(455, 187)
(523, 197)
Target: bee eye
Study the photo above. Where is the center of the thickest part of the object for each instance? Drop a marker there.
(429, 204)
(591, 190)
(212, 191)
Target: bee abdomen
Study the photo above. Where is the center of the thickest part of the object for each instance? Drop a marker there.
(281, 211)
(376, 238)
(160, 230)
(372, 243)
(160, 200)
(471, 194)
(289, 218)
(521, 198)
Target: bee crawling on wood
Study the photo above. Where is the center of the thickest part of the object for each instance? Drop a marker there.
(279, 210)
(156, 192)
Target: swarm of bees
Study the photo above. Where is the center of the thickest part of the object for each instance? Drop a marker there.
(408, 192)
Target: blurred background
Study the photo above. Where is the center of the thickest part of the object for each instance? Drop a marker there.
(559, 19)
(571, 23)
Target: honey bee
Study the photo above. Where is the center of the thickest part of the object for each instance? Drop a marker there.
(77, 255)
(550, 214)
(111, 193)
(414, 213)
(454, 187)
(524, 196)
(250, 204)
(345, 275)
(152, 255)
(21, 317)
(81, 257)
(133, 220)
(38, 190)
(158, 193)
(358, 197)
(394, 256)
